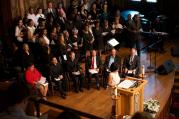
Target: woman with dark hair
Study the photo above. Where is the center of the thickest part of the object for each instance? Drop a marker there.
(35, 79)
(141, 115)
(19, 31)
(114, 78)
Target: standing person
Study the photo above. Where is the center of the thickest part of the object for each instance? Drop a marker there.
(43, 39)
(27, 56)
(31, 37)
(134, 31)
(73, 67)
(32, 16)
(19, 31)
(114, 78)
(87, 38)
(39, 15)
(56, 74)
(50, 12)
(98, 42)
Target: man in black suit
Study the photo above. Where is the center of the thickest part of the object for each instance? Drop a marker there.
(112, 58)
(50, 12)
(131, 63)
(93, 65)
(56, 74)
(73, 67)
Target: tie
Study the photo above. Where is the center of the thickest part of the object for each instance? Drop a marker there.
(131, 60)
(92, 63)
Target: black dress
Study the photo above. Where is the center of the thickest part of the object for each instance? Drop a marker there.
(87, 38)
(98, 43)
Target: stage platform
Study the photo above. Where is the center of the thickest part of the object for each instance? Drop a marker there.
(99, 103)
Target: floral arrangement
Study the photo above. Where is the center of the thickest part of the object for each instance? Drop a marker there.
(151, 106)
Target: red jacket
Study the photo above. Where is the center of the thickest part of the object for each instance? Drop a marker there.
(32, 76)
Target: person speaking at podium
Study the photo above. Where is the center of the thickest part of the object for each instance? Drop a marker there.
(114, 78)
(131, 64)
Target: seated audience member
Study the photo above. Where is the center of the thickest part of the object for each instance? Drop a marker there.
(17, 98)
(93, 65)
(114, 78)
(141, 115)
(68, 115)
(111, 58)
(27, 56)
(56, 73)
(73, 67)
(131, 63)
(19, 31)
(36, 80)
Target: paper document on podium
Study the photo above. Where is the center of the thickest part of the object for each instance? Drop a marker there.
(113, 42)
(126, 84)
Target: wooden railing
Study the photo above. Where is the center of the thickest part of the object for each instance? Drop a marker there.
(38, 101)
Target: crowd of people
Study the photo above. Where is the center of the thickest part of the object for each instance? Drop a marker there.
(51, 44)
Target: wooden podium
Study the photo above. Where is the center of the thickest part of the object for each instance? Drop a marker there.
(131, 100)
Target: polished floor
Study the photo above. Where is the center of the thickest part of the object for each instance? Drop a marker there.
(99, 102)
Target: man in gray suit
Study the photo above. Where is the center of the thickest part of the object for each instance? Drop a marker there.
(131, 63)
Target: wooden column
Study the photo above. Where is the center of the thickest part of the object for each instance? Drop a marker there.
(45, 4)
(21, 7)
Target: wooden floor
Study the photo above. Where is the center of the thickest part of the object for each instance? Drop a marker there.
(99, 102)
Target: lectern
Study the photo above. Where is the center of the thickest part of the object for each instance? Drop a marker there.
(131, 99)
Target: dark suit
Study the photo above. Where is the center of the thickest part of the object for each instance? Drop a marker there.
(88, 66)
(74, 66)
(49, 14)
(55, 72)
(134, 65)
(117, 60)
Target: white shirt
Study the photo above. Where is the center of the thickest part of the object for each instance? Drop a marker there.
(17, 33)
(39, 16)
(95, 65)
(32, 30)
(46, 40)
(115, 78)
(33, 17)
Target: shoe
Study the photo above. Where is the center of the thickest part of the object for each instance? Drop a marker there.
(81, 90)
